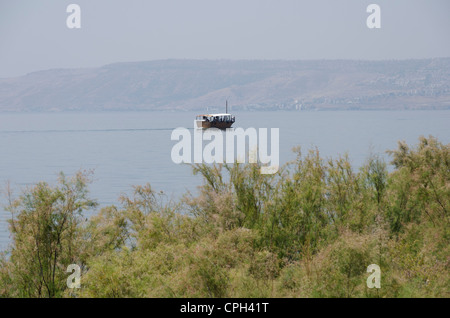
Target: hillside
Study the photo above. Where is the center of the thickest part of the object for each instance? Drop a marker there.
(198, 84)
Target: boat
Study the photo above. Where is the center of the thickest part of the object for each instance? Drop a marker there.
(221, 121)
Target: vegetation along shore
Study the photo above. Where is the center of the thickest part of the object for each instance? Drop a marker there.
(311, 230)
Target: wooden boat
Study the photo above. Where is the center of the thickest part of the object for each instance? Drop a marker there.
(221, 121)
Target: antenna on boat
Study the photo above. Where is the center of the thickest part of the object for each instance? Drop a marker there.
(226, 106)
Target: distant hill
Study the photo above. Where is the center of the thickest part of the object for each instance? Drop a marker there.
(258, 85)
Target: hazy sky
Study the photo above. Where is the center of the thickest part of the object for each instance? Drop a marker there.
(34, 35)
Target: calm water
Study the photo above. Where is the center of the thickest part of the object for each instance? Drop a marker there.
(132, 148)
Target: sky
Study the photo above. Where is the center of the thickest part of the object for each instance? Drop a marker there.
(34, 35)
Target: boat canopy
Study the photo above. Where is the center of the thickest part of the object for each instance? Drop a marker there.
(219, 115)
(213, 115)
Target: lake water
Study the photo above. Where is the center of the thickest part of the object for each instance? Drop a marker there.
(133, 148)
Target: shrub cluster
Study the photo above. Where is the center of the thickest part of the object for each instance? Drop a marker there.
(311, 230)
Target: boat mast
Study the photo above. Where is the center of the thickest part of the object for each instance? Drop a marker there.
(226, 106)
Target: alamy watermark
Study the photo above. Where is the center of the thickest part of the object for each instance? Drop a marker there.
(73, 21)
(374, 279)
(74, 279)
(207, 146)
(374, 19)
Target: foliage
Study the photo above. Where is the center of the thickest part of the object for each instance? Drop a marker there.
(46, 226)
(311, 230)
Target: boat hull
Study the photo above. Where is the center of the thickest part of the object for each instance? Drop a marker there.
(203, 124)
